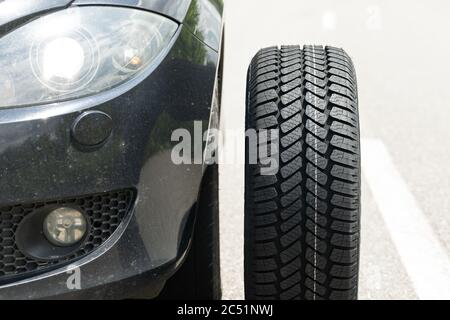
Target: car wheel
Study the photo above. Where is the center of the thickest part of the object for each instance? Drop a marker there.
(302, 222)
(199, 276)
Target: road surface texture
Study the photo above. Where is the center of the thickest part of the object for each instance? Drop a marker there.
(401, 54)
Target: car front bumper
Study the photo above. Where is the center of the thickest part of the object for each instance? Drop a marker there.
(39, 162)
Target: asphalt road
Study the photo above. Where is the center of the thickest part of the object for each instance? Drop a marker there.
(400, 50)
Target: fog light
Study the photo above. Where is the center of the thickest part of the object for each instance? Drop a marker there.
(65, 226)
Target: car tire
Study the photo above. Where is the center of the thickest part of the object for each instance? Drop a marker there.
(199, 276)
(302, 222)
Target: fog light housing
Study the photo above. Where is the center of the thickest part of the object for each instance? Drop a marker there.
(65, 227)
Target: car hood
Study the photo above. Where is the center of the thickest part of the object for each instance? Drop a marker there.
(13, 10)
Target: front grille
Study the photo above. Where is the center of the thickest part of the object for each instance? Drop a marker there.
(104, 211)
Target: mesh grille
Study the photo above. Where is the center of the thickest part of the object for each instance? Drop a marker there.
(105, 212)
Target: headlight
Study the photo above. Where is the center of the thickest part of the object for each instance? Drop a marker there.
(78, 52)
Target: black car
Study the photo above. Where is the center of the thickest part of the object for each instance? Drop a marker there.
(91, 91)
(98, 200)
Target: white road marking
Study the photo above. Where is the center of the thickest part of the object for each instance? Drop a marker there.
(422, 254)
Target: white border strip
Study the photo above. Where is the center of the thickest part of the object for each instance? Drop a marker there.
(424, 258)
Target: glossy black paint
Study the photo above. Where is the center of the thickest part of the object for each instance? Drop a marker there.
(92, 129)
(204, 19)
(39, 161)
(13, 10)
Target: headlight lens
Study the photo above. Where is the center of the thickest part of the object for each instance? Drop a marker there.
(78, 52)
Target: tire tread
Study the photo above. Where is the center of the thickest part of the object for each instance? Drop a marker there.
(302, 226)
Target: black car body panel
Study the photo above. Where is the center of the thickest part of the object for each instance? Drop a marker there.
(204, 19)
(14, 10)
(39, 161)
